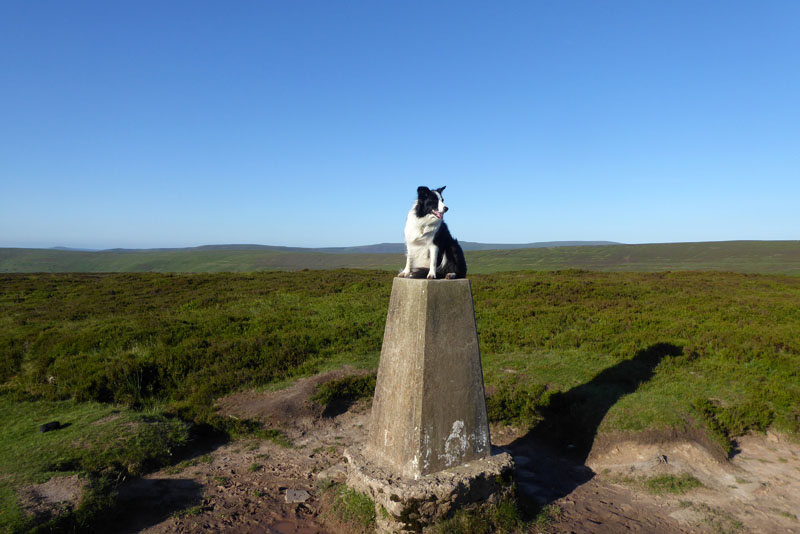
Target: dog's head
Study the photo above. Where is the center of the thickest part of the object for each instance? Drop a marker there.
(430, 203)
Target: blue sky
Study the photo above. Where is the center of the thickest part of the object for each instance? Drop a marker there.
(311, 123)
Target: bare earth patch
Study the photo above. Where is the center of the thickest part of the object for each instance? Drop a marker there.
(54, 496)
(757, 491)
(107, 419)
(242, 487)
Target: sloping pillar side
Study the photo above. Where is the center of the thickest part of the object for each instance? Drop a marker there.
(429, 410)
(396, 410)
(455, 426)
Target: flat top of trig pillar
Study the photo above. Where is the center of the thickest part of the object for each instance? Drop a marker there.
(450, 289)
(434, 281)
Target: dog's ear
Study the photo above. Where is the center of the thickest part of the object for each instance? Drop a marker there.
(441, 189)
(421, 190)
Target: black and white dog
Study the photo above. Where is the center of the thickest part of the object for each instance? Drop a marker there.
(430, 249)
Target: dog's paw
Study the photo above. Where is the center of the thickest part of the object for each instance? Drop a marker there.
(403, 274)
(432, 276)
(450, 276)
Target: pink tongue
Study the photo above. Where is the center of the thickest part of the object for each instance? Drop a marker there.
(437, 214)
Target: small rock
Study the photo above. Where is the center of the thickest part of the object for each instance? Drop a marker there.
(296, 496)
(335, 473)
(47, 427)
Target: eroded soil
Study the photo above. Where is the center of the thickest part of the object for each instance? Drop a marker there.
(242, 487)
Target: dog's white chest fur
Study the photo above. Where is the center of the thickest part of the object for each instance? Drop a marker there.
(419, 238)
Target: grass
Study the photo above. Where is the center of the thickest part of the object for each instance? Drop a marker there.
(672, 484)
(736, 256)
(336, 396)
(719, 521)
(633, 352)
(739, 256)
(102, 443)
(191, 462)
(189, 512)
(187, 260)
(180, 341)
(570, 354)
(724, 423)
(785, 514)
(138, 339)
(503, 517)
(662, 484)
(350, 507)
(517, 402)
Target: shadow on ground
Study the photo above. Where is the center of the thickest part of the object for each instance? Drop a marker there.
(550, 458)
(145, 502)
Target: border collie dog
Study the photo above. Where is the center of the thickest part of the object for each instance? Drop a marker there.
(430, 249)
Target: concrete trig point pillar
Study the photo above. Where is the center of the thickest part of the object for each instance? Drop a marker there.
(429, 410)
(428, 450)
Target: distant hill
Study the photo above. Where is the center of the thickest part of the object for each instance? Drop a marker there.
(468, 245)
(380, 248)
(71, 248)
(738, 256)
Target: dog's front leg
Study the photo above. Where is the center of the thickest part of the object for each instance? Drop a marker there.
(405, 273)
(434, 252)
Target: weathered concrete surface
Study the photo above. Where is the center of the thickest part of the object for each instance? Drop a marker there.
(407, 505)
(428, 451)
(429, 409)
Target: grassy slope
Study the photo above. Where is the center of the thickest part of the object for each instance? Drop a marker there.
(95, 439)
(738, 256)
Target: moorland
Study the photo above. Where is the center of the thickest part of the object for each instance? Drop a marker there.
(131, 364)
(779, 257)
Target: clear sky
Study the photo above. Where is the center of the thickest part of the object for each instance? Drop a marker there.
(311, 123)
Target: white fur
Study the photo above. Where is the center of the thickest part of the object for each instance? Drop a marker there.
(419, 232)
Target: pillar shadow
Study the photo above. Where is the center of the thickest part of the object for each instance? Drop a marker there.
(142, 503)
(550, 458)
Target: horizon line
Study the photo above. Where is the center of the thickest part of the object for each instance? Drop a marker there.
(328, 247)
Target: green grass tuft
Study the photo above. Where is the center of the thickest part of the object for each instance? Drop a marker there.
(351, 507)
(502, 517)
(673, 484)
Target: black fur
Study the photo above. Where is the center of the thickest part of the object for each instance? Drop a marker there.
(456, 266)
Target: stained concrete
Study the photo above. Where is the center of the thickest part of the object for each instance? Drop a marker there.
(429, 409)
(405, 505)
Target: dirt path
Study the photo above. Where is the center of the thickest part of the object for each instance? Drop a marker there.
(242, 487)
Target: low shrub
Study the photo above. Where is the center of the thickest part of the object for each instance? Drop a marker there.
(517, 402)
(348, 389)
(674, 484)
